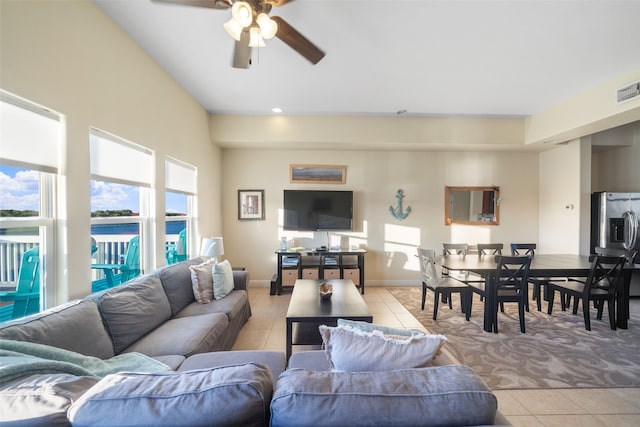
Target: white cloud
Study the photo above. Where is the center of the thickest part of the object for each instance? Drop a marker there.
(21, 191)
(110, 196)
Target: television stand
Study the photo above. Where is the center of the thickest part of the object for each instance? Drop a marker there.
(317, 264)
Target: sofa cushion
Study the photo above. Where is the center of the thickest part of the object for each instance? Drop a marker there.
(202, 282)
(176, 281)
(226, 396)
(41, 400)
(274, 360)
(131, 310)
(52, 327)
(222, 279)
(350, 349)
(437, 396)
(184, 336)
(171, 360)
(231, 305)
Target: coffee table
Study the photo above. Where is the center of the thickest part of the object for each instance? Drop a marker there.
(307, 310)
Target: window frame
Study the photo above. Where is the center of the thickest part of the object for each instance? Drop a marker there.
(49, 181)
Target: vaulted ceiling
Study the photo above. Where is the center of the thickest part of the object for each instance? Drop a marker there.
(428, 58)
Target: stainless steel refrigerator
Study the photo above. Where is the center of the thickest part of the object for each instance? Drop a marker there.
(614, 224)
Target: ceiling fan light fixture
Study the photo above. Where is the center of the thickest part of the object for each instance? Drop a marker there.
(242, 12)
(234, 29)
(255, 38)
(268, 27)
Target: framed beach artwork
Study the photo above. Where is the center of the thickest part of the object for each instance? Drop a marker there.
(317, 174)
(250, 204)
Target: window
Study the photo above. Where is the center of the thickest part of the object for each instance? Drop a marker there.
(180, 201)
(30, 136)
(121, 173)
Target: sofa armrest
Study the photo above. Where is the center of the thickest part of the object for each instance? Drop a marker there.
(312, 360)
(241, 280)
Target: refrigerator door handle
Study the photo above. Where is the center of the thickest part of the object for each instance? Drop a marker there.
(631, 229)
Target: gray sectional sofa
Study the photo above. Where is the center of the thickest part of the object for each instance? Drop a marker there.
(154, 314)
(107, 348)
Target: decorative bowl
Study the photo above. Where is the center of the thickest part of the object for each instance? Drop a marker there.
(326, 290)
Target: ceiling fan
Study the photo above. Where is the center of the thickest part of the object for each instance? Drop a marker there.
(250, 24)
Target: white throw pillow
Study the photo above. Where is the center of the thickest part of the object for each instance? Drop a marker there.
(222, 279)
(351, 350)
(202, 281)
(387, 330)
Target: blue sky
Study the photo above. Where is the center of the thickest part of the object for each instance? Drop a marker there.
(19, 190)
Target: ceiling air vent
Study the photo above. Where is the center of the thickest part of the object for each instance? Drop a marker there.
(628, 92)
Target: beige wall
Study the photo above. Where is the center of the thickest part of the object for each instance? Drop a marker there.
(592, 111)
(559, 200)
(618, 168)
(375, 176)
(358, 132)
(70, 57)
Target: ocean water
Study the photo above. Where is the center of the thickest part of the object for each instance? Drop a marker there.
(173, 227)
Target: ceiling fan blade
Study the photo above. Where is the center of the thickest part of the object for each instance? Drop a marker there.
(297, 41)
(242, 51)
(211, 4)
(278, 2)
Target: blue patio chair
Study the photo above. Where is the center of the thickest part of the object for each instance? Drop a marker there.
(129, 269)
(26, 297)
(177, 252)
(94, 246)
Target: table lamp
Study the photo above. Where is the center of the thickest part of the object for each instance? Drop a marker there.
(212, 247)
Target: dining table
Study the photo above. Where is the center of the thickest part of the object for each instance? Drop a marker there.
(548, 266)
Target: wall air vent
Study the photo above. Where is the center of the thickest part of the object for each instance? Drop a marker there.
(628, 92)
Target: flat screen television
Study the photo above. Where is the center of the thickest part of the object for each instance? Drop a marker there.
(315, 210)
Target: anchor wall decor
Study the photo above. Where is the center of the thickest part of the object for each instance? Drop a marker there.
(398, 212)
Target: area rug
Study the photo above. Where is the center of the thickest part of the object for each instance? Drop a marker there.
(555, 352)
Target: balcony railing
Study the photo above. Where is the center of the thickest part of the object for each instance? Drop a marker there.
(11, 256)
(111, 249)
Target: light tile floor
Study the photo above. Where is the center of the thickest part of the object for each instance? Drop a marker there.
(265, 330)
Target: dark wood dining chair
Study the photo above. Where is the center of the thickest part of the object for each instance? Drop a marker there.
(441, 286)
(529, 249)
(630, 254)
(460, 250)
(485, 249)
(454, 249)
(490, 249)
(603, 282)
(511, 286)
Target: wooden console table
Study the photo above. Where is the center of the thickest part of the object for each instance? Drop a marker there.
(318, 265)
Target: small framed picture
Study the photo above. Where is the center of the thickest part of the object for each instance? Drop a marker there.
(318, 174)
(250, 204)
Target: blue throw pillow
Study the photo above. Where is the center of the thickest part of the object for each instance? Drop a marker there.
(222, 279)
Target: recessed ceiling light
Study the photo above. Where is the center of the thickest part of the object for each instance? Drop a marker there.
(276, 110)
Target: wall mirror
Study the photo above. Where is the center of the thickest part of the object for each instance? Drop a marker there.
(472, 205)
